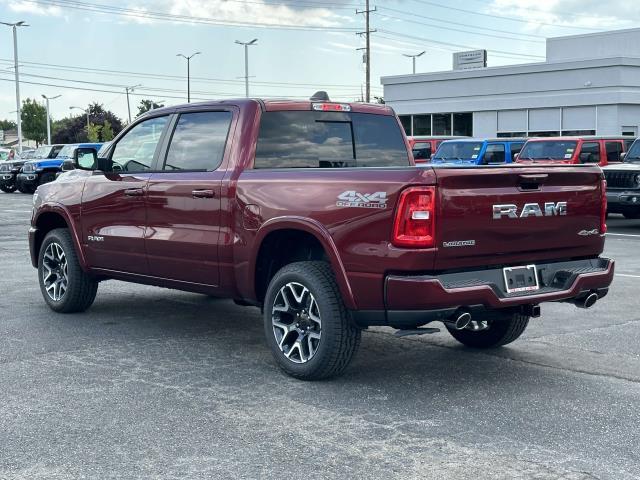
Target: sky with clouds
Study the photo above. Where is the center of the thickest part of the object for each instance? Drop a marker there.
(88, 51)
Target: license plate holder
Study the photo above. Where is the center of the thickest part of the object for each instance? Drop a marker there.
(521, 279)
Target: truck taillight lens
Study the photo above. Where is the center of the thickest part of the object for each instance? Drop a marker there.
(603, 211)
(414, 224)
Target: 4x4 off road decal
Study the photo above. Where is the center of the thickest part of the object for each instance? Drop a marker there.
(351, 198)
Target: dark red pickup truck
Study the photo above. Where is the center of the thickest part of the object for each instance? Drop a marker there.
(315, 212)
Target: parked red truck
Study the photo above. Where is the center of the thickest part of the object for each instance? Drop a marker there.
(314, 212)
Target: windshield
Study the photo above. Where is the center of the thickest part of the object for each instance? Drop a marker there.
(634, 154)
(42, 152)
(548, 150)
(67, 151)
(458, 151)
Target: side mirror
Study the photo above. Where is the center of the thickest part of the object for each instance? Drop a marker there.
(85, 159)
(623, 156)
(515, 157)
(68, 165)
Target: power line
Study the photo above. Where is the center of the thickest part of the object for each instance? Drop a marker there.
(516, 54)
(128, 12)
(120, 73)
(467, 25)
(501, 17)
(452, 29)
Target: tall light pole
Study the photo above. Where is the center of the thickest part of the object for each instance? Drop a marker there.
(413, 57)
(86, 110)
(188, 59)
(130, 89)
(246, 46)
(15, 26)
(49, 117)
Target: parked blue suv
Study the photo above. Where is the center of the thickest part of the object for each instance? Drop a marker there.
(478, 151)
(44, 170)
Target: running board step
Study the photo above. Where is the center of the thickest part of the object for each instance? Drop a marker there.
(416, 331)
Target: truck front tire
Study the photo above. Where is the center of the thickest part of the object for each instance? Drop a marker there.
(307, 326)
(501, 331)
(66, 288)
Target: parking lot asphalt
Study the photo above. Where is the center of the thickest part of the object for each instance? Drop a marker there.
(155, 383)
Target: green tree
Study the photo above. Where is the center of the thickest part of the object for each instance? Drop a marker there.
(34, 121)
(8, 125)
(107, 131)
(93, 133)
(146, 105)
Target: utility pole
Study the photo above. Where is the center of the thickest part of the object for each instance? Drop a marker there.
(413, 57)
(49, 117)
(246, 63)
(130, 89)
(367, 33)
(15, 26)
(188, 59)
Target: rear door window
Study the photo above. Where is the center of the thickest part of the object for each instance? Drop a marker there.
(495, 153)
(614, 149)
(590, 152)
(198, 141)
(515, 149)
(310, 139)
(422, 151)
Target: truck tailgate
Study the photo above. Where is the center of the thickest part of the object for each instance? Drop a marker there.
(486, 215)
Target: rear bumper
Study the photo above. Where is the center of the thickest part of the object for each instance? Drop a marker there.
(409, 299)
(623, 201)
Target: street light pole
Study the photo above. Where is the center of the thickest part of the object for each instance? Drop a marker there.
(130, 89)
(246, 46)
(188, 59)
(413, 58)
(84, 110)
(15, 26)
(49, 117)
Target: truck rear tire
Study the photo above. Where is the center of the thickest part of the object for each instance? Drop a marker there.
(307, 327)
(66, 288)
(500, 332)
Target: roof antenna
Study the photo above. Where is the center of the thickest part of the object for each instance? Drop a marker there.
(320, 96)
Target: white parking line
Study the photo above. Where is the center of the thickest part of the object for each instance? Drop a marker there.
(626, 275)
(623, 235)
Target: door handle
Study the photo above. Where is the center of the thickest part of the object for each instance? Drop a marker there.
(134, 192)
(202, 194)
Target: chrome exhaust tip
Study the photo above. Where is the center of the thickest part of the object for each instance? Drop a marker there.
(459, 320)
(589, 301)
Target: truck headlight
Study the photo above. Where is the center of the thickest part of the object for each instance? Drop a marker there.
(636, 179)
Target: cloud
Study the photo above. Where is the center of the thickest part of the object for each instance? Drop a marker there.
(588, 14)
(33, 8)
(257, 11)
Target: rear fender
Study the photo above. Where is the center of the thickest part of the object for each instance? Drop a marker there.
(321, 234)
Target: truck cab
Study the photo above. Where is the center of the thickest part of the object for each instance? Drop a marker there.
(477, 151)
(423, 147)
(44, 170)
(600, 150)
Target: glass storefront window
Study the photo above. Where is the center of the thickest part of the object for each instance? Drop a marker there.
(406, 123)
(422, 124)
(463, 124)
(442, 124)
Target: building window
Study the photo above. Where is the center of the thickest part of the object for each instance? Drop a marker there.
(511, 134)
(422, 124)
(463, 124)
(442, 124)
(577, 133)
(406, 123)
(547, 133)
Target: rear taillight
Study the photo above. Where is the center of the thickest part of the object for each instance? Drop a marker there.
(414, 224)
(603, 208)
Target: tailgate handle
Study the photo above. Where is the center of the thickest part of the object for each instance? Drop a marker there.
(532, 181)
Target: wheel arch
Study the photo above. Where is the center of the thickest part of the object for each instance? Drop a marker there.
(50, 217)
(312, 239)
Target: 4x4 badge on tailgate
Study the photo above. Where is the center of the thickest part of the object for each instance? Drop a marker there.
(351, 198)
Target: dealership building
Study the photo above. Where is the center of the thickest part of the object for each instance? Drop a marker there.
(588, 85)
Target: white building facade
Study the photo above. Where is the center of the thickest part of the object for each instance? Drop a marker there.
(589, 85)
